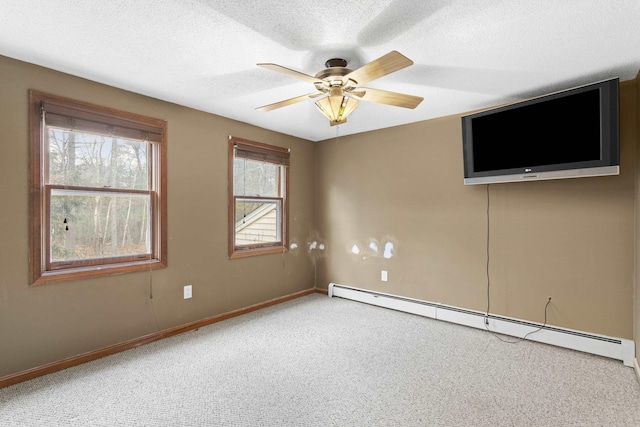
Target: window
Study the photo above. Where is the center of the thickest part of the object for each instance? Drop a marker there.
(98, 190)
(258, 206)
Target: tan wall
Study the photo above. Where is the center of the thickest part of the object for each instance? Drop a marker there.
(571, 239)
(47, 323)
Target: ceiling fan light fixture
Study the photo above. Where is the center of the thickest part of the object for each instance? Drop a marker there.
(336, 81)
(337, 108)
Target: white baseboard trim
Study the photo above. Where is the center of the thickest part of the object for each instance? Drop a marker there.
(601, 345)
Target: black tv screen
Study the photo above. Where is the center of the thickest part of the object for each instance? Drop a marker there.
(567, 134)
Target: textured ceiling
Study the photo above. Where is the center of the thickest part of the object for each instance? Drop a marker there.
(467, 54)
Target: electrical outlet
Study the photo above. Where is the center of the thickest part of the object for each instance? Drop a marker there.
(383, 275)
(188, 292)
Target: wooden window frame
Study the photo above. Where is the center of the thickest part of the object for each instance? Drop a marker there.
(272, 154)
(42, 270)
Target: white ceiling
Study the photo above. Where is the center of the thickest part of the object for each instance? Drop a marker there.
(467, 54)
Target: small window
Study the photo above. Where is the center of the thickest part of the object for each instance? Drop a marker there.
(98, 202)
(258, 206)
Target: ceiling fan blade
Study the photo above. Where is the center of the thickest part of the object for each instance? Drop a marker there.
(289, 72)
(288, 102)
(386, 64)
(359, 92)
(390, 98)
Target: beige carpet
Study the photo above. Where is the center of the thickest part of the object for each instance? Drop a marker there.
(319, 361)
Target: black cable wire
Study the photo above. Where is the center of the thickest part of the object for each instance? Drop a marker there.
(528, 333)
(486, 317)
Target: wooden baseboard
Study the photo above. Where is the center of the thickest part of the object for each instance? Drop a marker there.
(636, 368)
(49, 368)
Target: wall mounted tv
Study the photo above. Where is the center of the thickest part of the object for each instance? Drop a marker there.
(567, 134)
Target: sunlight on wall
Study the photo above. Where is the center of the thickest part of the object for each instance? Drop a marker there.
(388, 250)
(372, 250)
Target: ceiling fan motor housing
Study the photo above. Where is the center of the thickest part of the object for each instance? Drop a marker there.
(332, 72)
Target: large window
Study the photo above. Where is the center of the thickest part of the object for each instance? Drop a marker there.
(98, 190)
(258, 206)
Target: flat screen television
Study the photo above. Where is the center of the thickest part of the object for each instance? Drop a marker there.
(567, 134)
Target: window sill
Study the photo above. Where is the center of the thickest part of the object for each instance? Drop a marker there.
(243, 253)
(96, 271)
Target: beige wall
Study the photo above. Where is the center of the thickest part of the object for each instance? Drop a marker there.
(571, 239)
(47, 323)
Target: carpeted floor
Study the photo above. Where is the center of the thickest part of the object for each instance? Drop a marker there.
(319, 361)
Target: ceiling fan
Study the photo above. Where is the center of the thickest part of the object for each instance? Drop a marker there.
(342, 86)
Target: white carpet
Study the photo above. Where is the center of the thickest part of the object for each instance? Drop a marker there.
(319, 361)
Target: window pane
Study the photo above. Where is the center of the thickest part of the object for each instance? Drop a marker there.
(257, 221)
(88, 160)
(254, 178)
(100, 225)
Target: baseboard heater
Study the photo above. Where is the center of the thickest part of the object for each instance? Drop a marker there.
(615, 348)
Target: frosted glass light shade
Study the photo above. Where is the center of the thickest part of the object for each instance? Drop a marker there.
(337, 108)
